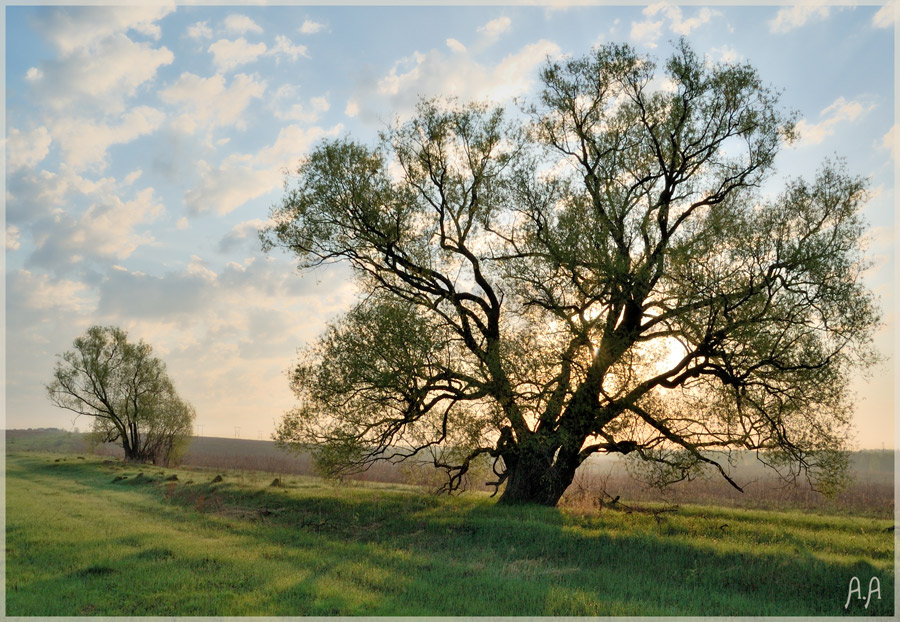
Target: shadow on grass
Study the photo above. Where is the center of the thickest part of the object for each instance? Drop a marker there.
(301, 550)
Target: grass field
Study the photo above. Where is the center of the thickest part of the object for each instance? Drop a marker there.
(871, 494)
(81, 540)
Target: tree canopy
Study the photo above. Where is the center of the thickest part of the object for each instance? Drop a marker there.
(601, 274)
(127, 392)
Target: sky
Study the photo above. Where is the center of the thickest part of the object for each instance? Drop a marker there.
(145, 146)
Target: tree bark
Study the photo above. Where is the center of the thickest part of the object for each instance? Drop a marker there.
(536, 478)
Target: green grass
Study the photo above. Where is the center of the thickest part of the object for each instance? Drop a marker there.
(80, 543)
(47, 439)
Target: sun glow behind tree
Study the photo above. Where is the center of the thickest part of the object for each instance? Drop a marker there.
(519, 309)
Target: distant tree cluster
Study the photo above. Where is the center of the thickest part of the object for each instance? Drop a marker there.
(127, 392)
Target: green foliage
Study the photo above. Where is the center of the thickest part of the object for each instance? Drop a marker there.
(243, 548)
(603, 276)
(127, 393)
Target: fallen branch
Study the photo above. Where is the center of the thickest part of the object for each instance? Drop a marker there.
(615, 504)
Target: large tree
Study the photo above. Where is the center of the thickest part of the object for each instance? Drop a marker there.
(605, 275)
(127, 392)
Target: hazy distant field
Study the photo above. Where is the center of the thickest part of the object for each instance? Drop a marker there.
(872, 493)
(87, 535)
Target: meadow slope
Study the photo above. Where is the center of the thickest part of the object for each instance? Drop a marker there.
(602, 477)
(100, 537)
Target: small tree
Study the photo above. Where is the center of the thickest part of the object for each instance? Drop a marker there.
(127, 393)
(605, 278)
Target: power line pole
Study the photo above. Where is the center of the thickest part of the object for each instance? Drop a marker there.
(200, 429)
(237, 431)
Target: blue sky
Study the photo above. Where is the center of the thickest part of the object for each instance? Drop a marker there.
(145, 146)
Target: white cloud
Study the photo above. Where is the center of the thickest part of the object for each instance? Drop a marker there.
(31, 196)
(103, 76)
(726, 54)
(789, 18)
(132, 177)
(84, 142)
(352, 108)
(285, 46)
(496, 27)
(681, 26)
(646, 33)
(106, 230)
(241, 234)
(293, 142)
(884, 18)
(286, 106)
(26, 150)
(225, 188)
(75, 29)
(889, 141)
(99, 64)
(649, 31)
(109, 228)
(38, 292)
(228, 54)
(516, 72)
(207, 103)
(243, 177)
(310, 27)
(436, 74)
(392, 83)
(12, 238)
(838, 112)
(200, 30)
(319, 104)
(241, 24)
(455, 45)
(199, 268)
(223, 302)
(174, 296)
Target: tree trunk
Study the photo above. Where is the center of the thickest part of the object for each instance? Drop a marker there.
(536, 478)
(542, 469)
(127, 445)
(131, 444)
